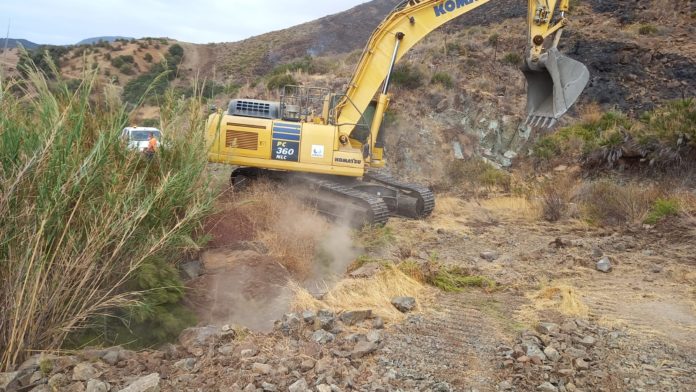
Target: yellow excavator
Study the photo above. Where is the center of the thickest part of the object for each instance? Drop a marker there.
(332, 145)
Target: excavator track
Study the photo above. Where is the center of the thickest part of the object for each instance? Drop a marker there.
(339, 200)
(375, 211)
(424, 196)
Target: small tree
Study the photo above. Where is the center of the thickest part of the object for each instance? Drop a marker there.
(148, 57)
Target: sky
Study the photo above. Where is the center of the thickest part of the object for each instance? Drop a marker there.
(199, 21)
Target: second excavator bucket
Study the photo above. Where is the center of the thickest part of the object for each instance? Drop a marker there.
(554, 83)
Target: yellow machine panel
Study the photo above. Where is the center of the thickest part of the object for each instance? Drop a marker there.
(317, 143)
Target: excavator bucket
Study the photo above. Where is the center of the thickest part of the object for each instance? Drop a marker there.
(553, 86)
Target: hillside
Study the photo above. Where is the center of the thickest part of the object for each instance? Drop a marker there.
(94, 40)
(12, 43)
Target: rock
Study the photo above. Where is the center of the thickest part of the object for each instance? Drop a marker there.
(85, 371)
(548, 328)
(308, 316)
(250, 388)
(97, 386)
(75, 387)
(193, 338)
(458, 152)
(111, 357)
(560, 168)
(355, 316)
(7, 378)
(533, 351)
(552, 354)
(490, 255)
(261, 368)
(42, 388)
(404, 304)
(443, 387)
(192, 269)
(604, 265)
(588, 341)
(323, 388)
(363, 348)
(58, 381)
(366, 271)
(268, 387)
(149, 383)
(323, 365)
(581, 364)
(186, 364)
(505, 386)
(547, 387)
(227, 349)
(299, 386)
(374, 336)
(378, 323)
(597, 252)
(325, 320)
(307, 365)
(323, 337)
(509, 154)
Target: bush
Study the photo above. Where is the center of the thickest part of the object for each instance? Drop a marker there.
(443, 79)
(476, 173)
(126, 69)
(103, 221)
(647, 29)
(661, 209)
(607, 203)
(148, 57)
(407, 77)
(279, 81)
(512, 59)
(494, 39)
(119, 61)
(176, 51)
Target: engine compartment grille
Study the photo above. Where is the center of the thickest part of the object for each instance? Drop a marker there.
(241, 139)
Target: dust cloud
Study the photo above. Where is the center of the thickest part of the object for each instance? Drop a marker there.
(246, 282)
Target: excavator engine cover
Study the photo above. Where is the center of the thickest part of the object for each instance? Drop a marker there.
(554, 83)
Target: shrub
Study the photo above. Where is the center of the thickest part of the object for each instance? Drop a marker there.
(453, 279)
(407, 77)
(279, 81)
(477, 173)
(494, 39)
(176, 50)
(606, 203)
(443, 79)
(119, 61)
(661, 209)
(512, 59)
(553, 201)
(148, 57)
(126, 69)
(307, 65)
(647, 29)
(100, 215)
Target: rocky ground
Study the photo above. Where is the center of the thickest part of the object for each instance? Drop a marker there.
(555, 322)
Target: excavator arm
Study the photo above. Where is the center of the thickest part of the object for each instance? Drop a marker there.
(555, 81)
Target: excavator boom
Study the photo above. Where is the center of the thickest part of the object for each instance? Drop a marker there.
(554, 81)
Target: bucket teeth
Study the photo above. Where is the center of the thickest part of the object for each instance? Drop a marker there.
(541, 121)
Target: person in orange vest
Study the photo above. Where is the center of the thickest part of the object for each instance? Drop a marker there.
(151, 146)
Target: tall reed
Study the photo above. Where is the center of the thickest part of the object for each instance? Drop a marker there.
(80, 214)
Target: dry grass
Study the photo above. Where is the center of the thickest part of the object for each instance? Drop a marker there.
(513, 207)
(560, 297)
(289, 229)
(375, 294)
(608, 203)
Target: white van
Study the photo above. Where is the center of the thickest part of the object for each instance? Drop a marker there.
(139, 137)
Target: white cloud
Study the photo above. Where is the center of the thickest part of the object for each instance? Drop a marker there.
(69, 21)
